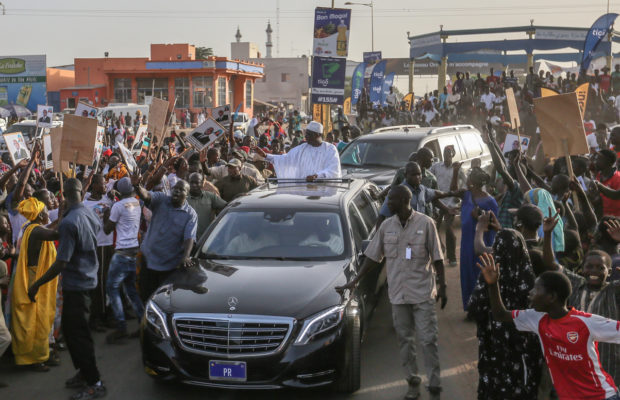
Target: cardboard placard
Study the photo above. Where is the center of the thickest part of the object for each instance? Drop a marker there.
(205, 134)
(86, 110)
(560, 123)
(544, 92)
(79, 135)
(582, 97)
(513, 110)
(56, 143)
(44, 116)
(158, 111)
(16, 146)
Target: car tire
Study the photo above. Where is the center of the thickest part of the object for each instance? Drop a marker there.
(350, 376)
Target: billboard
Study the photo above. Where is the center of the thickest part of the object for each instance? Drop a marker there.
(331, 32)
(328, 80)
(23, 81)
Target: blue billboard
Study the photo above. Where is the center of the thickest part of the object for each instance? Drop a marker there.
(328, 80)
(23, 81)
(376, 84)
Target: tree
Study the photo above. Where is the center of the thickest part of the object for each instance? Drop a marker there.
(202, 53)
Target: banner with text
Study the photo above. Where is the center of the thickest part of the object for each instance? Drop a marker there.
(328, 80)
(376, 84)
(23, 81)
(331, 32)
(357, 83)
(387, 84)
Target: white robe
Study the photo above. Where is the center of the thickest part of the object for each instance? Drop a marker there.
(305, 160)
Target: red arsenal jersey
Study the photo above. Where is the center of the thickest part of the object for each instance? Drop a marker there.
(571, 351)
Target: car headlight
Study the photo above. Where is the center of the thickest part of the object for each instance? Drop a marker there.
(155, 317)
(319, 323)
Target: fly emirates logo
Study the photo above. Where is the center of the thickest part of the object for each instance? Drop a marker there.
(562, 353)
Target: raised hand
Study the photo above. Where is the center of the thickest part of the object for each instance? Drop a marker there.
(489, 269)
(550, 222)
(613, 229)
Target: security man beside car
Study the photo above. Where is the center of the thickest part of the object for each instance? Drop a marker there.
(409, 242)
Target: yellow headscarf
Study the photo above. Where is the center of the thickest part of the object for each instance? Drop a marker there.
(30, 208)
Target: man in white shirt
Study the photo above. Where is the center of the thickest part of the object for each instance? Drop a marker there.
(599, 139)
(392, 98)
(124, 217)
(487, 98)
(444, 172)
(312, 160)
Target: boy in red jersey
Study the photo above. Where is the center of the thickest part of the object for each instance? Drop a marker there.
(568, 337)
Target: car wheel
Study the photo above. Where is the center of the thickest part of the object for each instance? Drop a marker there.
(350, 375)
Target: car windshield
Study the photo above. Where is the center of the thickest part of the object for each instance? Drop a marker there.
(239, 118)
(372, 153)
(276, 234)
(26, 130)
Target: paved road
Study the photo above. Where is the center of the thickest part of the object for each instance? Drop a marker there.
(382, 378)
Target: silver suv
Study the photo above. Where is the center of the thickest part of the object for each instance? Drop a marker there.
(378, 155)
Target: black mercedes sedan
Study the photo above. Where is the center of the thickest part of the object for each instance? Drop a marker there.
(259, 310)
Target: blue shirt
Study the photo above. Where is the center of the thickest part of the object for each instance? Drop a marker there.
(419, 200)
(78, 248)
(169, 228)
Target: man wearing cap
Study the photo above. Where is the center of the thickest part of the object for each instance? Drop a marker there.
(312, 160)
(235, 183)
(124, 217)
(219, 172)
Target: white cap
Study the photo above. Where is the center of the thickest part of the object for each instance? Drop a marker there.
(238, 134)
(611, 98)
(315, 127)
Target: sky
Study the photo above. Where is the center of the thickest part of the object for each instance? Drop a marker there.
(68, 29)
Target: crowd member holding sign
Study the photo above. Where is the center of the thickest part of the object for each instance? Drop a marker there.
(312, 160)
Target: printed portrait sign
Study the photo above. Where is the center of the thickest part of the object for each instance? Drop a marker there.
(512, 143)
(47, 151)
(139, 137)
(205, 134)
(98, 145)
(44, 116)
(221, 115)
(130, 162)
(85, 110)
(331, 32)
(16, 146)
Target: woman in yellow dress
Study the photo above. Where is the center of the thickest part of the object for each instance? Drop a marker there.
(32, 322)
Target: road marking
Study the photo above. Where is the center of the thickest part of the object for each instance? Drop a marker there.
(444, 374)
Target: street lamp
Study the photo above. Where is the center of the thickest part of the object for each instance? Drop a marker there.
(372, 18)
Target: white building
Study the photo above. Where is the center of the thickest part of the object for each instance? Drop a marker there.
(286, 81)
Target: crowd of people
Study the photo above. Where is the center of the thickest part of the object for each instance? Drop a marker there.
(83, 250)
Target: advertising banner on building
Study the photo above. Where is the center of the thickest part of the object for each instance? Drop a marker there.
(331, 32)
(357, 83)
(23, 81)
(376, 84)
(328, 80)
(387, 84)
